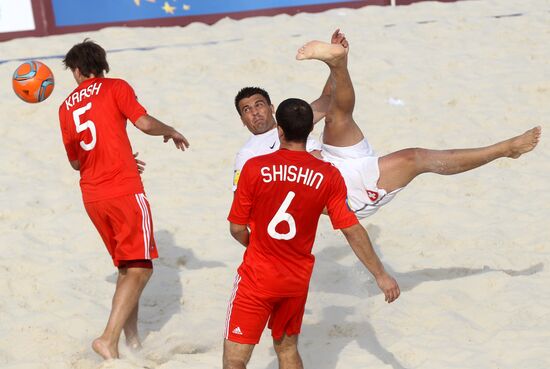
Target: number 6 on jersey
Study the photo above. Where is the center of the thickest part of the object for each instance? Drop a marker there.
(283, 216)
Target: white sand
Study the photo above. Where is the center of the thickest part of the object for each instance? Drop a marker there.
(471, 252)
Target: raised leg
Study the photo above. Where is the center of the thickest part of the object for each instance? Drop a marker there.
(236, 355)
(340, 128)
(130, 284)
(399, 168)
(287, 352)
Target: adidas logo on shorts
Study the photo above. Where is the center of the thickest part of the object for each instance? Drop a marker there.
(237, 331)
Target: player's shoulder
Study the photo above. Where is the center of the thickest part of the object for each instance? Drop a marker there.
(115, 82)
(262, 159)
(260, 144)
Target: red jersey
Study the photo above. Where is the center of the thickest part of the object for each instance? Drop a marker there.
(281, 197)
(93, 126)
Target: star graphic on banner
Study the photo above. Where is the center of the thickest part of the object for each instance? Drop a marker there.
(186, 7)
(138, 2)
(168, 9)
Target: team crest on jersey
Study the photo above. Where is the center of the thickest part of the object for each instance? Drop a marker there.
(236, 175)
(373, 196)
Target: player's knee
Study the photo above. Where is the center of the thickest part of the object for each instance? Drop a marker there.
(413, 156)
(146, 274)
(143, 274)
(233, 363)
(285, 349)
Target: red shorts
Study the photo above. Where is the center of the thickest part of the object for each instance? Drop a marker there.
(126, 227)
(249, 311)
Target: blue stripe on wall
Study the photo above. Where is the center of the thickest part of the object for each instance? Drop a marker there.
(81, 12)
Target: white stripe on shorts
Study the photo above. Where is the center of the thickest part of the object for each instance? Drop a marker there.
(230, 306)
(145, 223)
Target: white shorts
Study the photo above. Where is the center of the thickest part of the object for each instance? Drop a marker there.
(359, 150)
(361, 172)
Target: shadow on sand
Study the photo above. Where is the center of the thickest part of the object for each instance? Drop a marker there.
(338, 333)
(163, 295)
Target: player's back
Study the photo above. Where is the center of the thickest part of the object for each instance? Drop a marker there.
(263, 144)
(288, 192)
(93, 122)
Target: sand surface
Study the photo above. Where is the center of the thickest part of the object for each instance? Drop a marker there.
(471, 252)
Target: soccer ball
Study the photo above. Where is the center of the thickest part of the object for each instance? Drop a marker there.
(33, 81)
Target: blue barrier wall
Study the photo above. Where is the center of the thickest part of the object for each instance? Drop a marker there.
(82, 12)
(65, 16)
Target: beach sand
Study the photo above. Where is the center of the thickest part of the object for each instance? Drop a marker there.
(470, 251)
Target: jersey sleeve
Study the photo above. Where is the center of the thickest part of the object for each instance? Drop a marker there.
(312, 144)
(338, 211)
(127, 101)
(241, 158)
(242, 199)
(68, 138)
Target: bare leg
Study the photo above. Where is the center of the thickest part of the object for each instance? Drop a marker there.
(340, 128)
(236, 355)
(399, 168)
(287, 352)
(130, 284)
(131, 330)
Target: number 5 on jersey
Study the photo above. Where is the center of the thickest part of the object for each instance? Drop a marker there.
(283, 216)
(81, 127)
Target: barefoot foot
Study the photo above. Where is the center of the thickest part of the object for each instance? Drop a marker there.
(101, 347)
(332, 54)
(524, 143)
(339, 38)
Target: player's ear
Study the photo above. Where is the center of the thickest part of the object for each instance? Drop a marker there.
(76, 74)
(272, 109)
(280, 132)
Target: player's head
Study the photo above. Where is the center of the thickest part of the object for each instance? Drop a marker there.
(295, 117)
(87, 59)
(255, 109)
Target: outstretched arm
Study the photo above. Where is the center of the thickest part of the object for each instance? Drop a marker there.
(154, 127)
(359, 241)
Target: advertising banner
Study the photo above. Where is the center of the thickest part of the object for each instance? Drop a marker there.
(85, 12)
(24, 18)
(16, 16)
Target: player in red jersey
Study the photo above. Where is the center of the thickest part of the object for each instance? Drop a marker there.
(93, 125)
(274, 214)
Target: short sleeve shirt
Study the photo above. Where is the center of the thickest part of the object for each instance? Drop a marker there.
(93, 126)
(281, 197)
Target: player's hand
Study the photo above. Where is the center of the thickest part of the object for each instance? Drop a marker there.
(179, 140)
(389, 286)
(140, 164)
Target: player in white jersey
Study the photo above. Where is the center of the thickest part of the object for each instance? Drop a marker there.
(371, 181)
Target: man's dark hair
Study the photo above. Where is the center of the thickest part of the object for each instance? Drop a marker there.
(295, 117)
(88, 57)
(248, 92)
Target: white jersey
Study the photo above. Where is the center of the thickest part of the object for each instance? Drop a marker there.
(358, 165)
(263, 144)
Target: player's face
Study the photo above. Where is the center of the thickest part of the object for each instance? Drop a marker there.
(257, 114)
